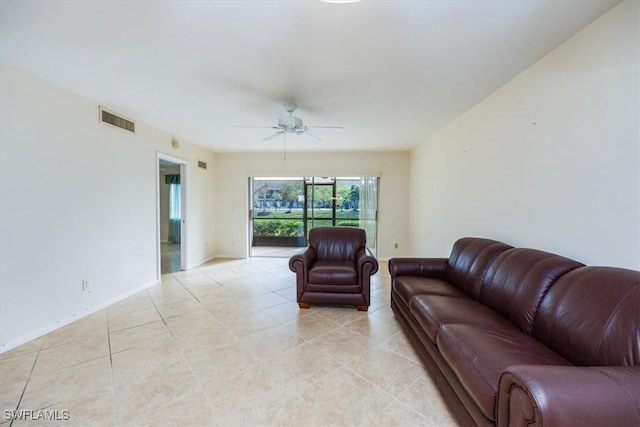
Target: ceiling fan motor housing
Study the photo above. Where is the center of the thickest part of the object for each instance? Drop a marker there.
(289, 122)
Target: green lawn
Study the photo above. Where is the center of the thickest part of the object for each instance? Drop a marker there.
(297, 214)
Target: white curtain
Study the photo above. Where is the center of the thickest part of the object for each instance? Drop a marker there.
(175, 208)
(369, 210)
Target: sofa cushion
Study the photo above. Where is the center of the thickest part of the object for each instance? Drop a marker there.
(518, 279)
(591, 316)
(478, 356)
(408, 286)
(470, 257)
(433, 311)
(333, 273)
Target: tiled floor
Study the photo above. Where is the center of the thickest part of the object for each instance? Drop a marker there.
(170, 260)
(225, 344)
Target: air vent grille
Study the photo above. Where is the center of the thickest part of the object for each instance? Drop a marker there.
(202, 164)
(112, 119)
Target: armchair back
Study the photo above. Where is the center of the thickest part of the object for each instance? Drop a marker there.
(337, 243)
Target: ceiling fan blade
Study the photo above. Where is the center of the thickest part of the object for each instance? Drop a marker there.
(310, 137)
(258, 127)
(273, 136)
(325, 127)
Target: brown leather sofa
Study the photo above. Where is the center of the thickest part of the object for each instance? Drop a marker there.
(516, 337)
(335, 268)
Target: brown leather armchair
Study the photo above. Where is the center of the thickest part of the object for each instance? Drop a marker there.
(335, 268)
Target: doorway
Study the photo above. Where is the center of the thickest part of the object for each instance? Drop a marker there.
(171, 214)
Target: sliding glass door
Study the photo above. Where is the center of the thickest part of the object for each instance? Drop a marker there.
(283, 210)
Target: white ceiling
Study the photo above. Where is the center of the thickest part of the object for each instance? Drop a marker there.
(390, 72)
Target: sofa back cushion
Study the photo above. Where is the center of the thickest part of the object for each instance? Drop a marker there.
(337, 243)
(591, 317)
(518, 279)
(469, 260)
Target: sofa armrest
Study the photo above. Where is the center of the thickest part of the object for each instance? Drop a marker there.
(569, 395)
(429, 267)
(301, 261)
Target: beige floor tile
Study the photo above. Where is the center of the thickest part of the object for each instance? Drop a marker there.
(197, 327)
(398, 415)
(130, 320)
(211, 288)
(140, 336)
(400, 344)
(286, 312)
(200, 280)
(423, 397)
(277, 283)
(192, 410)
(272, 341)
(17, 368)
(345, 398)
(311, 325)
(303, 363)
(375, 328)
(297, 412)
(342, 314)
(249, 398)
(342, 344)
(95, 408)
(210, 366)
(10, 394)
(249, 323)
(169, 296)
(152, 389)
(267, 300)
(81, 329)
(48, 388)
(244, 288)
(129, 305)
(28, 347)
(221, 275)
(229, 309)
(72, 354)
(180, 308)
(374, 366)
(290, 293)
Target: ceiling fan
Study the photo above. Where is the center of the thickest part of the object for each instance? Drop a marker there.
(288, 123)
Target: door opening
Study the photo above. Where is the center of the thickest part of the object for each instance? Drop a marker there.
(171, 214)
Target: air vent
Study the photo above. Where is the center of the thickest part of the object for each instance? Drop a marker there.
(202, 164)
(112, 119)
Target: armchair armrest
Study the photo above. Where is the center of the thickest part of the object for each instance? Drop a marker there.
(430, 267)
(569, 395)
(301, 261)
(367, 263)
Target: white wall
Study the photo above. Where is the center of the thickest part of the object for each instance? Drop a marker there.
(550, 161)
(79, 202)
(233, 170)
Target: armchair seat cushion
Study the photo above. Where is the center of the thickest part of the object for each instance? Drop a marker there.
(334, 272)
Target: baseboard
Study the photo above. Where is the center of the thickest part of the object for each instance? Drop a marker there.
(71, 318)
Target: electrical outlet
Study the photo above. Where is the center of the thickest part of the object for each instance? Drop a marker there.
(86, 286)
(395, 245)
